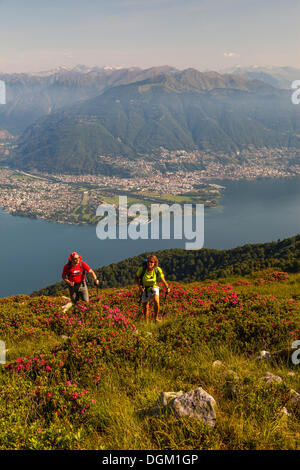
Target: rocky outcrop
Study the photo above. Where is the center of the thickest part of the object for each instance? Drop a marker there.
(196, 404)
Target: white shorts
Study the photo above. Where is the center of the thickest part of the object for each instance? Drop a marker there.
(148, 294)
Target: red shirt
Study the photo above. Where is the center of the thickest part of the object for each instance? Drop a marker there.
(75, 273)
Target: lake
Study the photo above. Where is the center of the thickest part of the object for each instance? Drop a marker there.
(34, 251)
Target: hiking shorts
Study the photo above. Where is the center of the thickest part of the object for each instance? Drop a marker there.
(79, 292)
(148, 294)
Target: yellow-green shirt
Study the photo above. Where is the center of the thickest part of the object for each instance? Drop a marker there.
(149, 279)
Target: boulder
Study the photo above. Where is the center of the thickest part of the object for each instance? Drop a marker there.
(294, 402)
(218, 364)
(66, 307)
(269, 378)
(284, 412)
(263, 355)
(197, 404)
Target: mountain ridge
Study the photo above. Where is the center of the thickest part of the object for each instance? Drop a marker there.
(188, 111)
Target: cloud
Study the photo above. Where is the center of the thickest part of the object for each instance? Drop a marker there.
(231, 54)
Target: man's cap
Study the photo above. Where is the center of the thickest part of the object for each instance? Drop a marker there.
(72, 255)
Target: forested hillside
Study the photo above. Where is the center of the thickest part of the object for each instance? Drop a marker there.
(196, 265)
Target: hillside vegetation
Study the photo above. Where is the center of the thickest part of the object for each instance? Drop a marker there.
(79, 379)
(197, 265)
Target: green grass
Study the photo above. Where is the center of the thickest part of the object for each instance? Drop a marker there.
(96, 388)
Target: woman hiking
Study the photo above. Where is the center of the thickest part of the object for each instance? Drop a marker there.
(74, 275)
(146, 277)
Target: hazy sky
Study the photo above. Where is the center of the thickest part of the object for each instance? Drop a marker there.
(39, 35)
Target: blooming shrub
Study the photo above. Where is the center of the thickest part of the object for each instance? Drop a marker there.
(50, 388)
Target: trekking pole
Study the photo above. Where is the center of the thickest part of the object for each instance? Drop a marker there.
(97, 292)
(97, 289)
(141, 295)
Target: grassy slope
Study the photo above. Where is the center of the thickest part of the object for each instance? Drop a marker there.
(77, 380)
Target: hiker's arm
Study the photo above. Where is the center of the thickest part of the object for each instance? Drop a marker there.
(137, 281)
(165, 283)
(65, 276)
(94, 276)
(71, 284)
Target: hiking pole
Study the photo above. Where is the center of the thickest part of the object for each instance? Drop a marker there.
(141, 295)
(97, 291)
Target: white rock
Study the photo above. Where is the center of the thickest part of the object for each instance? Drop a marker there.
(285, 412)
(67, 306)
(269, 378)
(218, 364)
(263, 355)
(196, 404)
(294, 402)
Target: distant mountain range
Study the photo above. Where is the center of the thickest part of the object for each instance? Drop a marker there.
(68, 120)
(186, 110)
(31, 96)
(280, 77)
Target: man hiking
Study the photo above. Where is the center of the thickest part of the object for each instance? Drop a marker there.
(146, 277)
(74, 275)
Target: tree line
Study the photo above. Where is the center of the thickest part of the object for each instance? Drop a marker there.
(197, 265)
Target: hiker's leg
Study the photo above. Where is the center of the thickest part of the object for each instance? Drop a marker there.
(156, 307)
(84, 293)
(73, 294)
(146, 311)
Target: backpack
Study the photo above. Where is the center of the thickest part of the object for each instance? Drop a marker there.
(144, 266)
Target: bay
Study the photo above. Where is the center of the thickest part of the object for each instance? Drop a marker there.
(33, 251)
